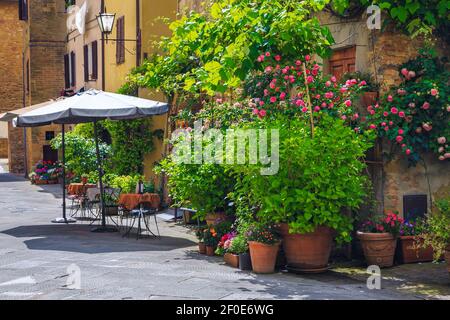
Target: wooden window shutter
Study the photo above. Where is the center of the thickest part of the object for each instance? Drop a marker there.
(120, 44)
(73, 66)
(86, 63)
(66, 71)
(94, 60)
(23, 10)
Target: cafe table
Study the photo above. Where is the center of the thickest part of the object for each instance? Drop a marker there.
(133, 206)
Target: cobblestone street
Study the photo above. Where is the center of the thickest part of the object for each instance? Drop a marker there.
(35, 255)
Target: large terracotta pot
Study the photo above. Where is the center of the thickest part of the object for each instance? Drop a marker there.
(201, 248)
(263, 256)
(307, 252)
(231, 259)
(379, 248)
(214, 218)
(409, 252)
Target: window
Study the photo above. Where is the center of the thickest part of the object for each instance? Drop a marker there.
(90, 62)
(23, 10)
(69, 70)
(414, 206)
(120, 44)
(49, 135)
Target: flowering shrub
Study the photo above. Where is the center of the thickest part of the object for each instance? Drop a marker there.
(412, 228)
(46, 170)
(390, 223)
(225, 243)
(284, 87)
(437, 225)
(263, 233)
(415, 115)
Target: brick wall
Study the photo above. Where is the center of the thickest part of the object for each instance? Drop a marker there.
(13, 51)
(3, 148)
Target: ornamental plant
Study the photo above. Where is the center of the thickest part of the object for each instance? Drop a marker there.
(238, 245)
(415, 115)
(413, 228)
(263, 233)
(437, 225)
(225, 243)
(281, 86)
(317, 178)
(389, 223)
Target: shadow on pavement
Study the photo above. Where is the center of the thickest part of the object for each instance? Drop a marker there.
(8, 177)
(79, 238)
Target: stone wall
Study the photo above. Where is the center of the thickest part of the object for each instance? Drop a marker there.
(381, 53)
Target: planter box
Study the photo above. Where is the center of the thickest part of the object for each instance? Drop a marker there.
(39, 182)
(407, 251)
(231, 260)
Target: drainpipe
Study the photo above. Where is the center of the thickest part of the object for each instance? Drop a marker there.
(102, 9)
(138, 33)
(24, 77)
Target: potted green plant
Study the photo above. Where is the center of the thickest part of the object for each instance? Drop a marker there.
(200, 233)
(211, 240)
(410, 247)
(378, 238)
(240, 257)
(84, 178)
(437, 225)
(264, 243)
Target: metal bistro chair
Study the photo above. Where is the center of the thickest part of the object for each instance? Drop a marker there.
(142, 213)
(111, 207)
(77, 204)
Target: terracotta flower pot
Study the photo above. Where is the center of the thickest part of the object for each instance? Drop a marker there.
(201, 248)
(263, 256)
(369, 98)
(379, 248)
(213, 218)
(231, 260)
(307, 252)
(210, 251)
(408, 252)
(245, 261)
(39, 182)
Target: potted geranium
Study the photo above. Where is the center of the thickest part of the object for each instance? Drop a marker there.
(438, 230)
(378, 238)
(210, 240)
(224, 248)
(410, 248)
(264, 243)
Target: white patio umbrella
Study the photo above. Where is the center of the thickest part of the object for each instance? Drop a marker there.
(90, 106)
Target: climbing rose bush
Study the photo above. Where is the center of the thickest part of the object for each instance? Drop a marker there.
(415, 114)
(282, 87)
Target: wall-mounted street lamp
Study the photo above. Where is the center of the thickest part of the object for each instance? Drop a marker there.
(106, 23)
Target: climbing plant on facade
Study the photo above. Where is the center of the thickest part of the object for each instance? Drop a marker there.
(415, 115)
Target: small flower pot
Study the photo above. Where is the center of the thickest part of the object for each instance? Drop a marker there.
(245, 261)
(210, 251)
(231, 260)
(408, 250)
(379, 248)
(263, 256)
(201, 248)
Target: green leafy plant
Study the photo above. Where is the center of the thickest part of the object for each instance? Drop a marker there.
(317, 179)
(239, 245)
(126, 184)
(437, 226)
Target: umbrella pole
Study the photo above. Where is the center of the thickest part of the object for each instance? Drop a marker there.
(64, 218)
(103, 227)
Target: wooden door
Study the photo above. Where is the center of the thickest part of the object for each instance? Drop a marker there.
(342, 61)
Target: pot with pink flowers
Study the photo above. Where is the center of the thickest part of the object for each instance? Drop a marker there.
(378, 238)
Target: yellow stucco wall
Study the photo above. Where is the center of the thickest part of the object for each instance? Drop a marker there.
(152, 29)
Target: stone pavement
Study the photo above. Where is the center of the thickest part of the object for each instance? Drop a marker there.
(35, 256)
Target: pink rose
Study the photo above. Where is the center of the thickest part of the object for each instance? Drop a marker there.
(394, 110)
(389, 98)
(419, 130)
(363, 83)
(348, 103)
(262, 113)
(447, 155)
(282, 96)
(426, 106)
(316, 108)
(304, 109)
(401, 114)
(399, 139)
(412, 105)
(333, 79)
(329, 95)
(408, 152)
(372, 126)
(411, 74)
(277, 57)
(441, 149)
(442, 140)
(427, 126)
(434, 92)
(307, 57)
(299, 102)
(441, 158)
(268, 69)
(255, 111)
(273, 99)
(267, 54)
(328, 83)
(400, 131)
(385, 113)
(310, 79)
(404, 72)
